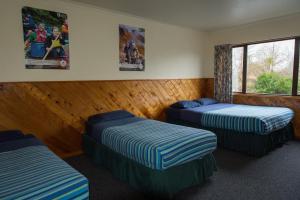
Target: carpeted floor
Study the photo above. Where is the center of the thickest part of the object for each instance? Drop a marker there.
(275, 176)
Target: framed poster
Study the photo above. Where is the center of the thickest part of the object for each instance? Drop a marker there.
(131, 48)
(46, 39)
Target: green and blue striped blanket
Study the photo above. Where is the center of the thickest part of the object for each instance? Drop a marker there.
(159, 145)
(244, 118)
(34, 172)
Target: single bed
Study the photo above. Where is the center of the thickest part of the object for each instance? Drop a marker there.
(156, 157)
(254, 130)
(29, 170)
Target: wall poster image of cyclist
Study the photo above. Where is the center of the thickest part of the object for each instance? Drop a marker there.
(131, 48)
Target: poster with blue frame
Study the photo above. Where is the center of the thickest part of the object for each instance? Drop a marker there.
(131, 48)
(46, 39)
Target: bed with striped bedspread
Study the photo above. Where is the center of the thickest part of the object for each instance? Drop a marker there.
(245, 118)
(159, 145)
(34, 172)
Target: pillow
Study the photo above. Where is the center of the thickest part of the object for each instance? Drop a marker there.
(11, 135)
(108, 116)
(206, 101)
(186, 104)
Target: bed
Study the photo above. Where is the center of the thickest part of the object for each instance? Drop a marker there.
(155, 157)
(254, 130)
(29, 170)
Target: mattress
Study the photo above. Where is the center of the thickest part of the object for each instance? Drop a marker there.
(29, 170)
(158, 145)
(242, 118)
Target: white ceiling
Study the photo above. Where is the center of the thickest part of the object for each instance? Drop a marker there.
(204, 15)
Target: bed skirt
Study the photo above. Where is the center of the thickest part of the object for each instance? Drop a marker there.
(154, 182)
(251, 144)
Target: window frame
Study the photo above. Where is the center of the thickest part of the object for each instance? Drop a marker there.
(296, 64)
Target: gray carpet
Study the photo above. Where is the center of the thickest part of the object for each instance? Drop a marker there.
(275, 176)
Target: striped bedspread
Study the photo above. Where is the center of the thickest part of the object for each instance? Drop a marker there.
(34, 172)
(244, 118)
(159, 145)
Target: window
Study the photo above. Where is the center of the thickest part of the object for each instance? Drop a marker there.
(267, 67)
(270, 67)
(296, 69)
(237, 69)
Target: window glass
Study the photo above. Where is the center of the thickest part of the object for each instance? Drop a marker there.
(270, 67)
(237, 68)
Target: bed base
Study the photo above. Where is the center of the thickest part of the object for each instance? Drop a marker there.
(162, 183)
(248, 143)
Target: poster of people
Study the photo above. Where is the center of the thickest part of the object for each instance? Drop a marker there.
(132, 48)
(46, 39)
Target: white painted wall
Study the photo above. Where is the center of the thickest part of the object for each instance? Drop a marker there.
(264, 30)
(171, 51)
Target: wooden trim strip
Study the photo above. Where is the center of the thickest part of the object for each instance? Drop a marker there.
(103, 80)
(245, 63)
(296, 68)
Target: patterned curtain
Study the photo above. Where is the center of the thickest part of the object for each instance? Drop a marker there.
(223, 73)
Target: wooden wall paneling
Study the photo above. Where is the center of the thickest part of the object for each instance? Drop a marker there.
(208, 87)
(56, 111)
(18, 110)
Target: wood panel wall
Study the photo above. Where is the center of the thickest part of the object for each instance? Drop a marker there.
(56, 111)
(269, 100)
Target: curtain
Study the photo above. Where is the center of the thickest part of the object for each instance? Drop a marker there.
(223, 73)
